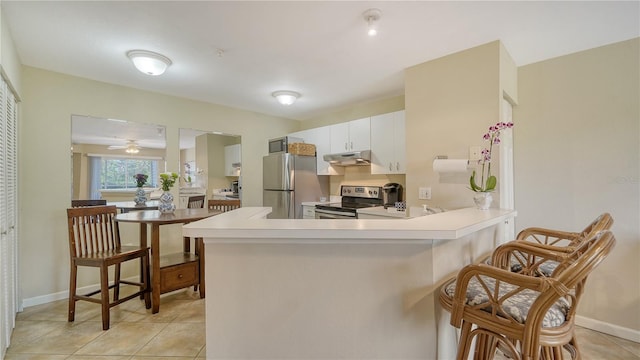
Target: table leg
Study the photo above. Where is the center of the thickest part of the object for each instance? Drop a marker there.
(143, 243)
(155, 268)
(200, 246)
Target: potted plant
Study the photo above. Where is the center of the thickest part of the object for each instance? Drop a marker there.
(141, 197)
(488, 182)
(167, 180)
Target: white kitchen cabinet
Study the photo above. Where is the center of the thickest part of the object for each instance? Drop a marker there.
(351, 136)
(321, 138)
(388, 151)
(232, 160)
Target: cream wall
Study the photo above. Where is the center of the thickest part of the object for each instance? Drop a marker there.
(45, 174)
(577, 145)
(9, 61)
(450, 104)
(356, 111)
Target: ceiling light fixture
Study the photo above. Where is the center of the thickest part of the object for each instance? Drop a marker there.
(132, 149)
(148, 62)
(371, 16)
(286, 97)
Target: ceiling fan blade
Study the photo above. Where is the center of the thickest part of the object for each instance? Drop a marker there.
(131, 144)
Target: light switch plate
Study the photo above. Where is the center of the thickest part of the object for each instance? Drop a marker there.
(424, 193)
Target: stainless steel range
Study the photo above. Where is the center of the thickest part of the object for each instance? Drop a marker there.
(353, 198)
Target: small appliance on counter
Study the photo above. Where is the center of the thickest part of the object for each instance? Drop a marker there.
(391, 194)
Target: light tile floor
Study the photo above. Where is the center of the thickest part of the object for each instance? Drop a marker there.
(175, 333)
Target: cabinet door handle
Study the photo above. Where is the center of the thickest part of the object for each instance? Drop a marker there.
(390, 167)
(346, 146)
(352, 145)
(398, 166)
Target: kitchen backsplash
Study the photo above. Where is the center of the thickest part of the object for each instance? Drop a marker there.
(361, 175)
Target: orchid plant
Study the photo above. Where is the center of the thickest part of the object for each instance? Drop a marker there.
(141, 179)
(488, 182)
(167, 180)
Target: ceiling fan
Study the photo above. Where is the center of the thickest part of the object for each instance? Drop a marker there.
(131, 147)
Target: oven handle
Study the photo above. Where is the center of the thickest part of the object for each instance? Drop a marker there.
(334, 214)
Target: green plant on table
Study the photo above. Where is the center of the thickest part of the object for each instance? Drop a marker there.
(141, 179)
(167, 180)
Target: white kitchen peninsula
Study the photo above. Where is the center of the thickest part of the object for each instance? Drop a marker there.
(335, 289)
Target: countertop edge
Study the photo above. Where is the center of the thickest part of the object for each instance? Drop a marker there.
(249, 225)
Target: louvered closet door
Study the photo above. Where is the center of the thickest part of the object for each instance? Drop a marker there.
(8, 215)
(12, 204)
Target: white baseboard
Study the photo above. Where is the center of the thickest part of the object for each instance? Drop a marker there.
(597, 325)
(609, 329)
(44, 299)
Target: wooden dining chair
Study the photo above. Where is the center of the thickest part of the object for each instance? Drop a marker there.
(224, 205)
(94, 241)
(195, 202)
(92, 202)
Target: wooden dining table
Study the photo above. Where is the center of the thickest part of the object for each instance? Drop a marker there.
(153, 219)
(126, 206)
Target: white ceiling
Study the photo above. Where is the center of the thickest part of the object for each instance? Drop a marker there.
(99, 131)
(319, 49)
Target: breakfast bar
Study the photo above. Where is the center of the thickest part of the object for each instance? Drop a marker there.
(311, 289)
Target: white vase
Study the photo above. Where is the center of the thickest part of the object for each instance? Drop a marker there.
(141, 196)
(166, 205)
(483, 200)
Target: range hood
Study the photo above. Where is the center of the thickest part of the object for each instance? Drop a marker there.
(352, 158)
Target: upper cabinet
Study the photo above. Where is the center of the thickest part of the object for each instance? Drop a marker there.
(351, 136)
(232, 160)
(320, 138)
(388, 152)
(383, 134)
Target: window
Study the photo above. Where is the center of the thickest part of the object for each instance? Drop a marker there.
(119, 173)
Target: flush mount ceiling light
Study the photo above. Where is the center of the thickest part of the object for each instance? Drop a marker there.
(372, 16)
(148, 62)
(286, 97)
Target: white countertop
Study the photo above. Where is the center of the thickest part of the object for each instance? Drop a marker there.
(249, 224)
(381, 211)
(190, 190)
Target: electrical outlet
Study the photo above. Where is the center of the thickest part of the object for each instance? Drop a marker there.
(474, 153)
(424, 193)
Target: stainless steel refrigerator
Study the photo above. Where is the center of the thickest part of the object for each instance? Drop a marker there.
(288, 181)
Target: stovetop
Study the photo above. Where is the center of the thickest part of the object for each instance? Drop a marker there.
(355, 197)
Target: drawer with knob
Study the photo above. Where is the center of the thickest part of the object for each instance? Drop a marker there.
(176, 274)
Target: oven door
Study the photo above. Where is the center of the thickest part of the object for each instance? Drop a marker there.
(334, 214)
